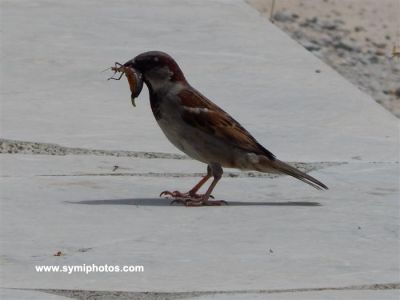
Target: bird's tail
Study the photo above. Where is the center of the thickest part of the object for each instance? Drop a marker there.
(281, 167)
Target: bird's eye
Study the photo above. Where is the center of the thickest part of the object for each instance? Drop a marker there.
(155, 59)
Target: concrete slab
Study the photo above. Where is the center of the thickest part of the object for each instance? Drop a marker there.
(276, 233)
(53, 91)
(268, 237)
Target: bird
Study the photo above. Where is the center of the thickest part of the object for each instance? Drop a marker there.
(200, 128)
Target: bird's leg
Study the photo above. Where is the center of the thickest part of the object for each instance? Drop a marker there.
(193, 192)
(204, 200)
(217, 171)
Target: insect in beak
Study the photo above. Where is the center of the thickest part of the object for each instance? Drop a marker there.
(118, 68)
(135, 79)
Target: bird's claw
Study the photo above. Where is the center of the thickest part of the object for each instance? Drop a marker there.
(178, 195)
(191, 199)
(169, 193)
(199, 202)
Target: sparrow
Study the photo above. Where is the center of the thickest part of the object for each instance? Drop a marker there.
(199, 128)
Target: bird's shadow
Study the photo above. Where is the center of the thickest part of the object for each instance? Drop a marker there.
(167, 202)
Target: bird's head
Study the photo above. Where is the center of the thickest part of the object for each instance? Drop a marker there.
(158, 69)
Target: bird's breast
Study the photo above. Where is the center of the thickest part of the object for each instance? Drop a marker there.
(195, 143)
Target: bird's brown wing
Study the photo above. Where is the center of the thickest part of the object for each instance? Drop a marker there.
(206, 116)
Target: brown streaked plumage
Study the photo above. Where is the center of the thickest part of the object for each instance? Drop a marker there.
(202, 130)
(217, 122)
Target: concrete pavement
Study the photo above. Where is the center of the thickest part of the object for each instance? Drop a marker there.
(276, 234)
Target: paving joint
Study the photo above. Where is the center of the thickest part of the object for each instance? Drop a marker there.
(82, 294)
(27, 147)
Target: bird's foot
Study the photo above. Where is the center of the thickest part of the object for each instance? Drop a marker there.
(179, 195)
(198, 202)
(192, 199)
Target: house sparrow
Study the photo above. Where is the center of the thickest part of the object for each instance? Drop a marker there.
(199, 128)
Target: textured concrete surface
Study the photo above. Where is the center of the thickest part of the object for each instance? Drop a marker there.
(95, 198)
(281, 233)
